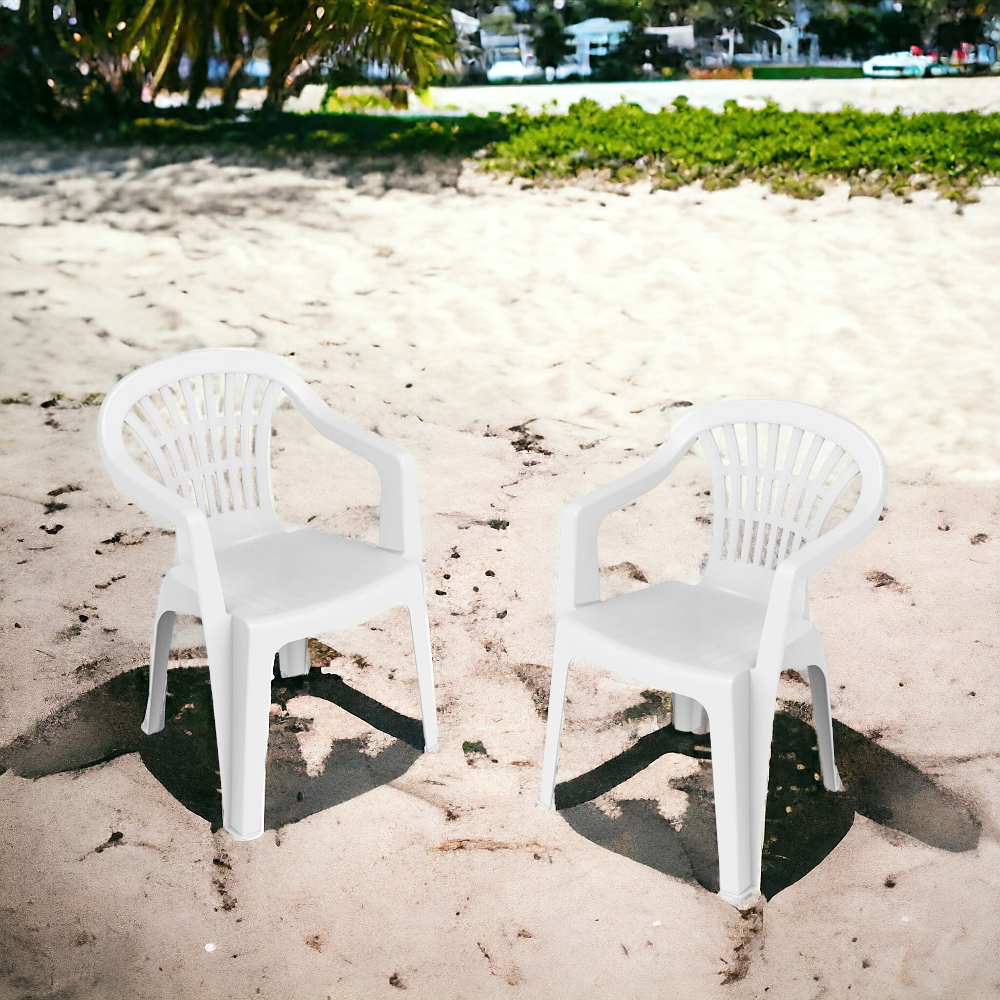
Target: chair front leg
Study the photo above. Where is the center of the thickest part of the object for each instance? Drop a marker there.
(763, 693)
(159, 654)
(561, 657)
(421, 636)
(729, 714)
(253, 662)
(219, 645)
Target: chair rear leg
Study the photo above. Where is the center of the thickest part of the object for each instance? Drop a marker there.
(688, 715)
(730, 717)
(823, 719)
(293, 658)
(420, 631)
(553, 729)
(253, 661)
(159, 654)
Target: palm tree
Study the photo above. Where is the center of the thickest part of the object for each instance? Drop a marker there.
(109, 50)
(126, 44)
(413, 35)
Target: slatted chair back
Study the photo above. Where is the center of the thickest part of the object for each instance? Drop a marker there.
(778, 470)
(207, 429)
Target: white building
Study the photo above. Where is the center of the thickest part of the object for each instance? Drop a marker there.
(597, 36)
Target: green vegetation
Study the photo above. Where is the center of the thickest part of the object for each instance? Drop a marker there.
(868, 29)
(101, 60)
(806, 72)
(355, 135)
(349, 100)
(791, 150)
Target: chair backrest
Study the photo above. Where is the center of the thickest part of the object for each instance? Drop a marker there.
(205, 420)
(778, 468)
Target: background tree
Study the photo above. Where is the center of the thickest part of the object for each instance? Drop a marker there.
(551, 43)
(98, 57)
(100, 54)
(413, 35)
(34, 68)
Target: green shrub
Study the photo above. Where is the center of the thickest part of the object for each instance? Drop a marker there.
(684, 144)
(346, 134)
(355, 99)
(773, 72)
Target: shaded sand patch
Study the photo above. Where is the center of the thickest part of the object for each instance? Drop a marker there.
(319, 754)
(633, 812)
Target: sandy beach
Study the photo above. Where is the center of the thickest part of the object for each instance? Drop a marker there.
(527, 345)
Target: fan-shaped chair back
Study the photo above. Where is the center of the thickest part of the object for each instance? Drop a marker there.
(205, 420)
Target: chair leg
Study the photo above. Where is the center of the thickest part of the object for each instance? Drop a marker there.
(553, 729)
(253, 661)
(730, 779)
(219, 645)
(420, 631)
(763, 694)
(688, 715)
(823, 720)
(159, 654)
(293, 658)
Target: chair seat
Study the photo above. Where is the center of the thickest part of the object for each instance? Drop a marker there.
(301, 571)
(692, 625)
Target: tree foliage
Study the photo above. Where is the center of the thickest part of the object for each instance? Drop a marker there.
(413, 35)
(551, 41)
(99, 58)
(57, 58)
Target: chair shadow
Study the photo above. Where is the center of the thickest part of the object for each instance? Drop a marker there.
(105, 722)
(804, 822)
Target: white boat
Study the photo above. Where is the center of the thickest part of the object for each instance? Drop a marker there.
(897, 64)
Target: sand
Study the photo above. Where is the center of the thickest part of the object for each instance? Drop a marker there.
(978, 93)
(574, 322)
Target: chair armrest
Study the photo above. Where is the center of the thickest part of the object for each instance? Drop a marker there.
(791, 575)
(578, 580)
(399, 516)
(194, 540)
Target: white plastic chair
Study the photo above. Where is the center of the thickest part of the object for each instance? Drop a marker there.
(720, 645)
(205, 419)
